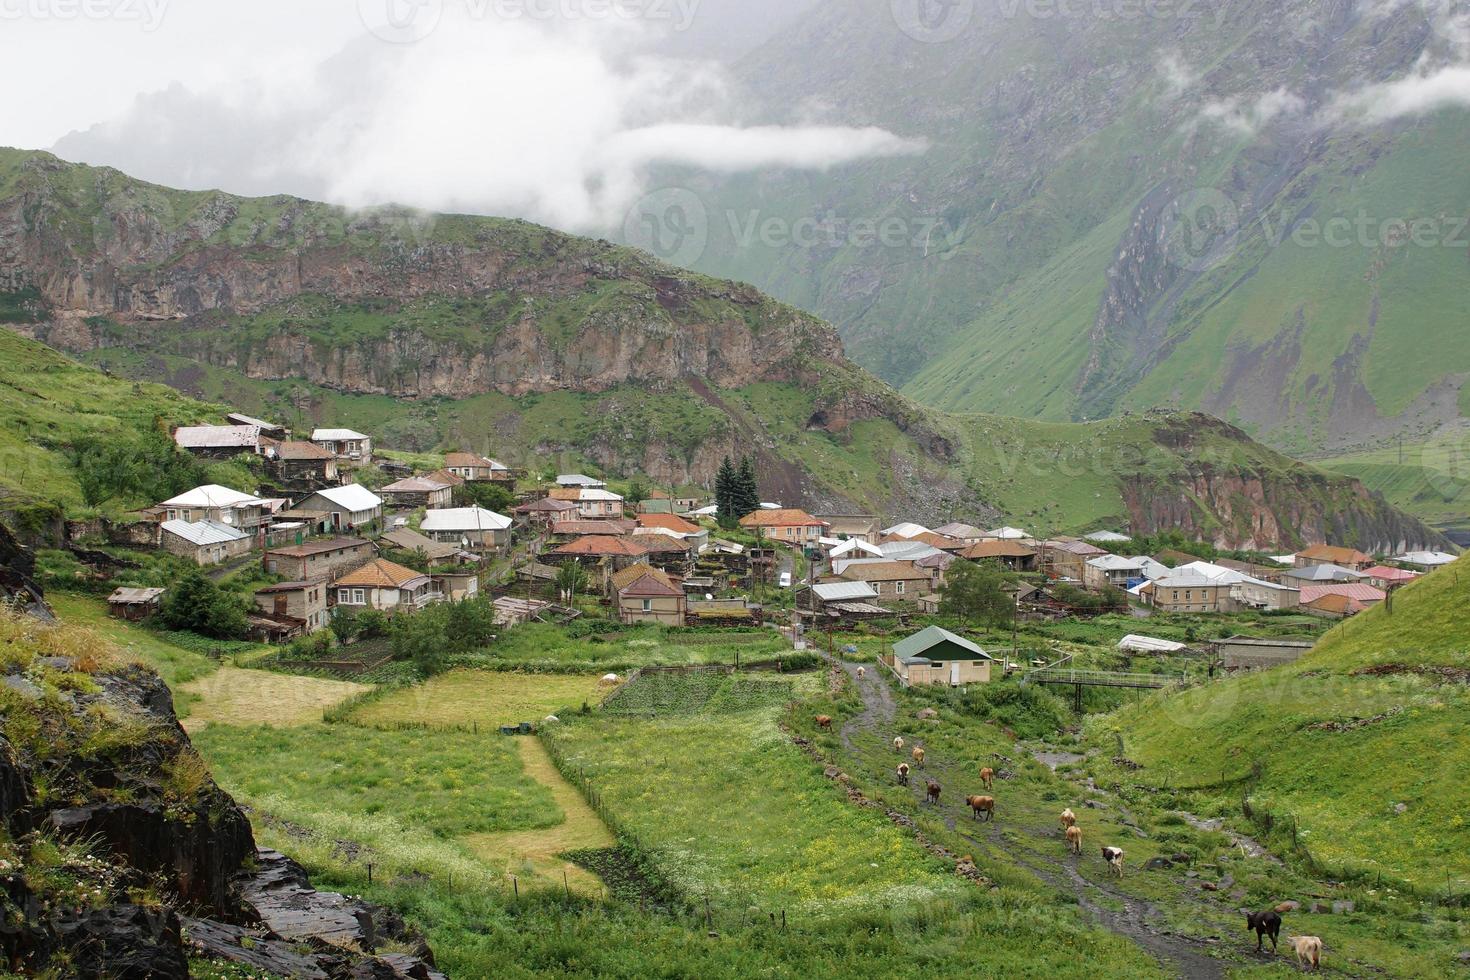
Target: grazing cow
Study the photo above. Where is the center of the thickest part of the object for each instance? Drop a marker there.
(824, 722)
(919, 757)
(932, 791)
(987, 776)
(1069, 819)
(1114, 857)
(982, 804)
(1074, 839)
(1264, 924)
(898, 743)
(1308, 952)
(862, 672)
(903, 774)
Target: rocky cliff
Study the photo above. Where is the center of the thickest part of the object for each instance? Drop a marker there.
(122, 858)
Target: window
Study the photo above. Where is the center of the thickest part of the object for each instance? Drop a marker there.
(648, 605)
(344, 595)
(898, 587)
(359, 597)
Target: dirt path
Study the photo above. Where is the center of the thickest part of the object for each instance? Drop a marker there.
(531, 855)
(1106, 904)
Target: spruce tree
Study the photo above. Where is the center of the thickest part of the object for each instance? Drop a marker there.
(748, 495)
(725, 481)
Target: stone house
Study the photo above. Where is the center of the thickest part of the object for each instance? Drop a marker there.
(303, 464)
(474, 529)
(417, 492)
(204, 542)
(303, 603)
(386, 587)
(787, 525)
(648, 595)
(347, 508)
(352, 448)
(316, 561)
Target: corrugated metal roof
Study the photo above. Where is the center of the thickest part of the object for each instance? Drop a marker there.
(844, 591)
(914, 647)
(464, 519)
(217, 436)
(212, 496)
(353, 497)
(336, 435)
(203, 532)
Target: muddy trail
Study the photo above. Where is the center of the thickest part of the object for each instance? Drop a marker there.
(1106, 904)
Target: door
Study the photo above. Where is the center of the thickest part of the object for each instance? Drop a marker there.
(954, 674)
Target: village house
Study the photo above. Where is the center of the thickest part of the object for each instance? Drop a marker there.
(580, 481)
(894, 581)
(1427, 560)
(786, 525)
(221, 505)
(1249, 653)
(1112, 571)
(840, 601)
(204, 542)
(593, 503)
(270, 429)
(346, 508)
(300, 604)
(619, 552)
(387, 587)
(648, 595)
(1386, 577)
(417, 492)
(657, 502)
(670, 554)
(1333, 606)
(1066, 559)
(851, 527)
(1326, 554)
(220, 441)
(1187, 593)
(303, 464)
(455, 584)
(935, 656)
(431, 551)
(474, 529)
(352, 448)
(318, 560)
(546, 511)
(1256, 593)
(134, 605)
(475, 468)
(1320, 574)
(676, 527)
(966, 534)
(576, 527)
(1360, 596)
(1012, 554)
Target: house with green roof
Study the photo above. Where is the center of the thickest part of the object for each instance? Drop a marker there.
(937, 656)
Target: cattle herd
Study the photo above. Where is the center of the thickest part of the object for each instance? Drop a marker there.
(1266, 925)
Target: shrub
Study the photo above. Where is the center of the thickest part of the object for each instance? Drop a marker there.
(1029, 711)
(198, 605)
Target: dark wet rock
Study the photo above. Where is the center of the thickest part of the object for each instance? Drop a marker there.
(1158, 864)
(238, 944)
(123, 943)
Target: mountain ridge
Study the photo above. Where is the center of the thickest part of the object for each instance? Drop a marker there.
(613, 358)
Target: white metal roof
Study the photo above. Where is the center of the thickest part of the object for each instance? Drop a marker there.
(1106, 537)
(853, 545)
(598, 494)
(353, 497)
(906, 530)
(240, 418)
(579, 480)
(907, 550)
(1115, 563)
(336, 435)
(1148, 644)
(1008, 533)
(212, 495)
(203, 532)
(844, 591)
(1426, 559)
(464, 519)
(217, 436)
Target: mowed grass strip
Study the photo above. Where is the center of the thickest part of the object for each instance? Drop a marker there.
(233, 696)
(447, 785)
(533, 856)
(486, 698)
(728, 807)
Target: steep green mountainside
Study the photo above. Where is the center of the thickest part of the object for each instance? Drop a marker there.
(508, 339)
(1429, 479)
(1361, 741)
(1126, 212)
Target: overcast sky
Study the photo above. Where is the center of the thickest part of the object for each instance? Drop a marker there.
(550, 109)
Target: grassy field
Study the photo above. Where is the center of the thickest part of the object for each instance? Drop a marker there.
(1358, 742)
(484, 698)
(235, 696)
(549, 647)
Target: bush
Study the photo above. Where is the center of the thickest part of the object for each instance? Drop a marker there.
(199, 606)
(1029, 711)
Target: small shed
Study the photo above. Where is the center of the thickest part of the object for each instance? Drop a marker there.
(936, 656)
(134, 604)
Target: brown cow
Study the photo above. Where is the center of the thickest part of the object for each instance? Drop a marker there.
(898, 743)
(987, 776)
(903, 773)
(824, 722)
(932, 789)
(982, 804)
(919, 757)
(1069, 819)
(1074, 839)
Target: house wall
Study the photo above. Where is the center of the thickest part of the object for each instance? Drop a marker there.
(668, 610)
(971, 672)
(308, 604)
(1211, 598)
(323, 565)
(205, 555)
(1261, 597)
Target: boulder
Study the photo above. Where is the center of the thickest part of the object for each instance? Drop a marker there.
(126, 942)
(1158, 864)
(1343, 908)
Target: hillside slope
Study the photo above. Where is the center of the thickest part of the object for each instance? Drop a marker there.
(515, 340)
(1130, 211)
(1361, 740)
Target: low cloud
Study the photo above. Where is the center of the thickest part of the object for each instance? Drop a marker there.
(1425, 91)
(1250, 116)
(553, 123)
